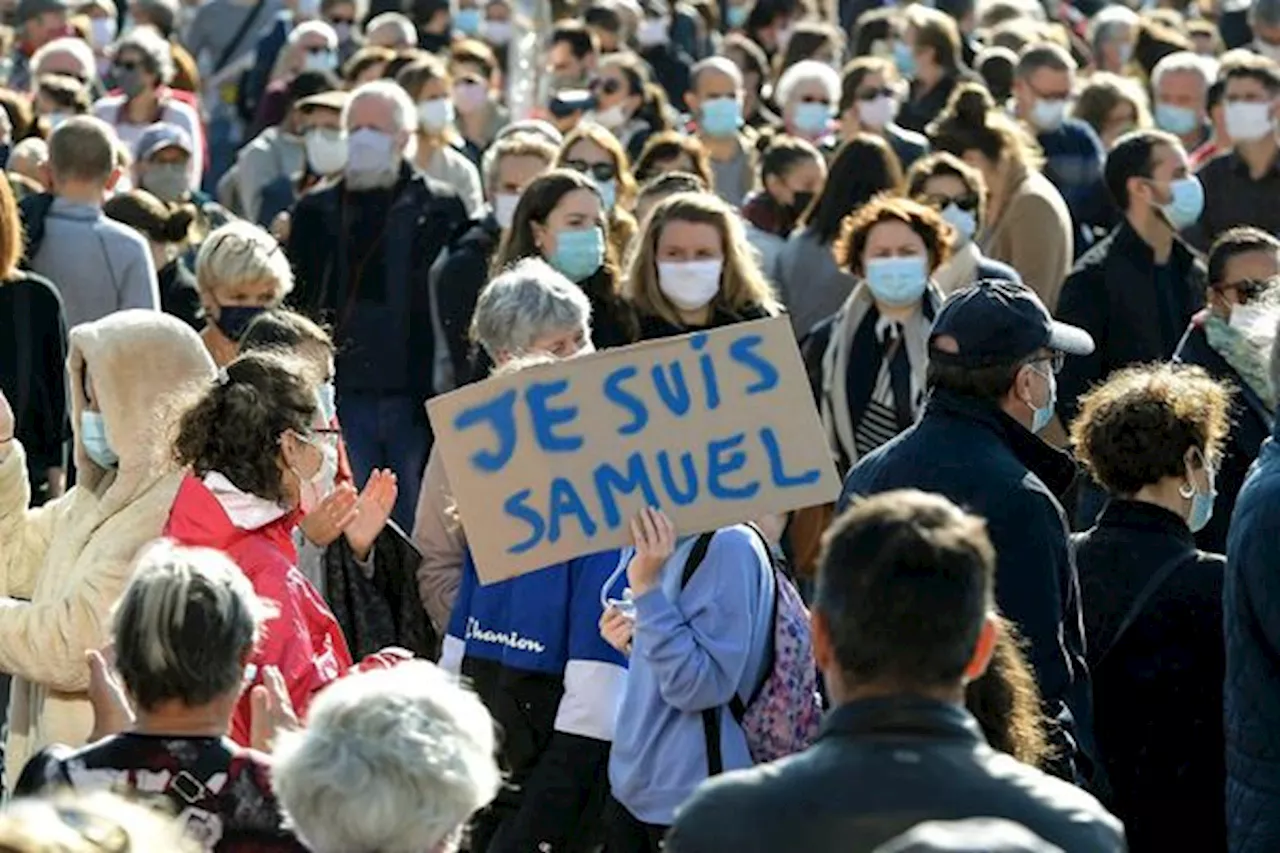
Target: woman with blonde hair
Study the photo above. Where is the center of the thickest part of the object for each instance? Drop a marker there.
(1028, 224)
(693, 269)
(168, 231)
(596, 153)
(241, 271)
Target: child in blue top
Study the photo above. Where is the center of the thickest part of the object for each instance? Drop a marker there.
(692, 649)
(532, 649)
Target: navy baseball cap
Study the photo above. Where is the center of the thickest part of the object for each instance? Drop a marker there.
(160, 136)
(1000, 322)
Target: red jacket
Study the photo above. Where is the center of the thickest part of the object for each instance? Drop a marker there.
(302, 639)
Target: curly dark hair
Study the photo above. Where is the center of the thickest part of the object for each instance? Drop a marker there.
(1006, 702)
(235, 427)
(1135, 429)
(920, 218)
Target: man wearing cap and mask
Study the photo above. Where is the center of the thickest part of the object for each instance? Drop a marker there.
(37, 22)
(161, 167)
(994, 353)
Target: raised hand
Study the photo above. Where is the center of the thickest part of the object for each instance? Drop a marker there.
(655, 538)
(324, 524)
(271, 711)
(372, 511)
(111, 711)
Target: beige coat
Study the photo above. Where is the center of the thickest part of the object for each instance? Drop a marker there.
(64, 565)
(437, 531)
(1033, 233)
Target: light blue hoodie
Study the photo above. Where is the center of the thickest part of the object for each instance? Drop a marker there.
(692, 650)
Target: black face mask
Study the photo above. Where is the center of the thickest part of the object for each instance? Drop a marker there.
(233, 320)
(800, 203)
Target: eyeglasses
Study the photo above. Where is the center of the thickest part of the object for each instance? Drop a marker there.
(1054, 359)
(127, 66)
(872, 94)
(599, 171)
(815, 99)
(606, 85)
(964, 202)
(317, 50)
(337, 22)
(1248, 288)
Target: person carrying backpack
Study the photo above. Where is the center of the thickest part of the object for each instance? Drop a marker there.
(712, 685)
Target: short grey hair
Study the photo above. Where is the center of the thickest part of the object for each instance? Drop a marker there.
(241, 253)
(184, 626)
(519, 145)
(394, 760)
(315, 28)
(76, 48)
(152, 45)
(529, 300)
(408, 32)
(1184, 62)
(392, 93)
(807, 71)
(1103, 26)
(718, 64)
(1265, 12)
(1037, 56)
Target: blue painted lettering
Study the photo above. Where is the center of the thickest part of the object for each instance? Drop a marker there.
(609, 479)
(780, 477)
(517, 507)
(500, 414)
(744, 352)
(718, 466)
(624, 399)
(680, 497)
(565, 501)
(546, 418)
(674, 391)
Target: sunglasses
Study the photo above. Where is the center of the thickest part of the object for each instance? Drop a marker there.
(1248, 288)
(872, 94)
(606, 86)
(964, 202)
(127, 66)
(599, 171)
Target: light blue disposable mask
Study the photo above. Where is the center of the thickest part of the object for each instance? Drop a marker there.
(467, 21)
(1175, 119)
(579, 253)
(964, 221)
(1187, 204)
(369, 150)
(1202, 502)
(897, 281)
(328, 404)
(736, 16)
(812, 118)
(904, 59)
(93, 437)
(1041, 416)
(608, 193)
(721, 116)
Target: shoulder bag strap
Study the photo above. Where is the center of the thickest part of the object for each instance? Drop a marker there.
(238, 39)
(1140, 602)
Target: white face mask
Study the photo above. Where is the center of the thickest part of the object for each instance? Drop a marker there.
(312, 492)
(1267, 49)
(612, 118)
(435, 114)
(102, 32)
(326, 150)
(690, 285)
(1248, 122)
(1252, 320)
(1048, 114)
(878, 112)
(504, 209)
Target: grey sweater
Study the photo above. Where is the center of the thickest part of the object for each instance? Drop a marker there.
(809, 282)
(99, 266)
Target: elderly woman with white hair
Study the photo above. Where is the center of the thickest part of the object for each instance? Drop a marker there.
(142, 67)
(241, 271)
(1112, 33)
(68, 56)
(807, 93)
(183, 633)
(391, 761)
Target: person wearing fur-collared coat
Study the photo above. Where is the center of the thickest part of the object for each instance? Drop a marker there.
(64, 565)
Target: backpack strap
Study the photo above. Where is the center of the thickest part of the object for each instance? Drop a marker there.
(697, 554)
(1140, 602)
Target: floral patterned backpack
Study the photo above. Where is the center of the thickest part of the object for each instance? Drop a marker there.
(784, 712)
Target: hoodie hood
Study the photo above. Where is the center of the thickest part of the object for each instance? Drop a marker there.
(146, 367)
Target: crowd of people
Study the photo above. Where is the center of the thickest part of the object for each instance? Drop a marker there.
(1030, 256)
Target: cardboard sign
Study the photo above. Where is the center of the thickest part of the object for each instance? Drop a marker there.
(553, 462)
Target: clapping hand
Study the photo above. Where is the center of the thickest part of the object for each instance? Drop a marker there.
(372, 511)
(271, 711)
(324, 524)
(111, 711)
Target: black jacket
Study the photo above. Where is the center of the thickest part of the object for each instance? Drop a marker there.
(456, 282)
(1157, 690)
(879, 768)
(653, 327)
(982, 459)
(33, 371)
(362, 263)
(178, 294)
(1250, 426)
(1116, 295)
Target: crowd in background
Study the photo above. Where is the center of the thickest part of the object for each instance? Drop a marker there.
(1030, 255)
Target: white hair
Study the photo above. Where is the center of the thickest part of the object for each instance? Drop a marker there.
(393, 761)
(391, 93)
(408, 32)
(807, 71)
(1108, 20)
(529, 300)
(720, 65)
(149, 42)
(33, 149)
(1184, 61)
(241, 253)
(77, 48)
(315, 28)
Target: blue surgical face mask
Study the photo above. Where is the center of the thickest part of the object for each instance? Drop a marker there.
(897, 281)
(93, 437)
(721, 116)
(1187, 204)
(1201, 502)
(904, 58)
(965, 222)
(328, 405)
(232, 320)
(736, 16)
(579, 253)
(811, 118)
(467, 21)
(1176, 120)
(1041, 416)
(608, 193)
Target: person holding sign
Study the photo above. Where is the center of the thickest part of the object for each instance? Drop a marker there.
(870, 357)
(562, 219)
(696, 642)
(694, 269)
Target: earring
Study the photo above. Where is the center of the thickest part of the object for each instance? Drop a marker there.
(1187, 491)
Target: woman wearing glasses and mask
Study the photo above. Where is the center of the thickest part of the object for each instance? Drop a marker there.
(1151, 437)
(958, 192)
(261, 456)
(1232, 340)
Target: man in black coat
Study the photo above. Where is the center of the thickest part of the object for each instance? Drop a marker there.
(993, 354)
(361, 251)
(903, 619)
(1136, 290)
